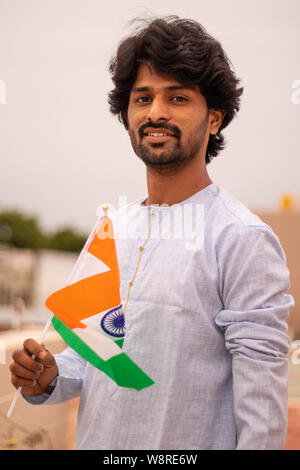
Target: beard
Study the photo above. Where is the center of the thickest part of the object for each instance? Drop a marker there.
(174, 155)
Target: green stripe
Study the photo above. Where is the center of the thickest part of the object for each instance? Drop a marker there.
(120, 342)
(127, 373)
(120, 368)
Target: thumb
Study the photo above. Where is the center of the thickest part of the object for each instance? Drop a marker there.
(45, 357)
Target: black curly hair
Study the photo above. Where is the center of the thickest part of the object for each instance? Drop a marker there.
(181, 48)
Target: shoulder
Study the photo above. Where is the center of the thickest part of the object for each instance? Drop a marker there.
(226, 213)
(230, 210)
(229, 223)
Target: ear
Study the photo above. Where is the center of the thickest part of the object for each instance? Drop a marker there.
(216, 117)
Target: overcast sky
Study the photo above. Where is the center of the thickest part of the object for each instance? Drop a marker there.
(63, 154)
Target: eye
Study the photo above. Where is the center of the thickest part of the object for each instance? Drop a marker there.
(179, 99)
(142, 99)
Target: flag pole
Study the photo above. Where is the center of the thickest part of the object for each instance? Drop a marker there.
(14, 401)
(105, 208)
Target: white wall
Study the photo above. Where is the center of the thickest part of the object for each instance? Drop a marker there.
(53, 270)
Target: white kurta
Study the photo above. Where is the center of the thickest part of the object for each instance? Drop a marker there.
(206, 320)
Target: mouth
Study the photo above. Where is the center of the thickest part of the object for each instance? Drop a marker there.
(157, 135)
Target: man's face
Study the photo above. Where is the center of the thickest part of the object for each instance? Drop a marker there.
(161, 105)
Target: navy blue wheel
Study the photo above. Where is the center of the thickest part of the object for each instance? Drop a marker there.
(113, 322)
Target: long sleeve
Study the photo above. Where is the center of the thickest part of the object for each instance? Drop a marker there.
(71, 369)
(254, 281)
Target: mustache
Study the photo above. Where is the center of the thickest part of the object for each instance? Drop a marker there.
(169, 127)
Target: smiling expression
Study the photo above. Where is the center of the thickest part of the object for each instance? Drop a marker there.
(168, 122)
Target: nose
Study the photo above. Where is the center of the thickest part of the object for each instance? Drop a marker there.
(158, 110)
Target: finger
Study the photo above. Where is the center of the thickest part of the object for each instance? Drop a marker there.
(20, 371)
(46, 358)
(32, 347)
(20, 382)
(41, 354)
(21, 358)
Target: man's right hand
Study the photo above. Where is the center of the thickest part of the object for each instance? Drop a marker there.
(33, 375)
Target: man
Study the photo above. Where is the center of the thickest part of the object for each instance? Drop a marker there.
(206, 314)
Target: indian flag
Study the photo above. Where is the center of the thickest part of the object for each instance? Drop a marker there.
(88, 311)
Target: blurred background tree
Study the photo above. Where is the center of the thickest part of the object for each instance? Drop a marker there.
(20, 230)
(66, 239)
(24, 231)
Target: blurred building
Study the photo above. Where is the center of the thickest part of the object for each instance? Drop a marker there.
(27, 278)
(17, 275)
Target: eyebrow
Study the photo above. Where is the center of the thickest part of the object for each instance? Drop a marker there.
(172, 87)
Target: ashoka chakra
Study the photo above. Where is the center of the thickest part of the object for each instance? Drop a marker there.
(113, 322)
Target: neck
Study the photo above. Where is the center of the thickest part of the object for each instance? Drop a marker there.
(165, 187)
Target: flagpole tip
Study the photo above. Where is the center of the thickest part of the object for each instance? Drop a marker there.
(105, 208)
